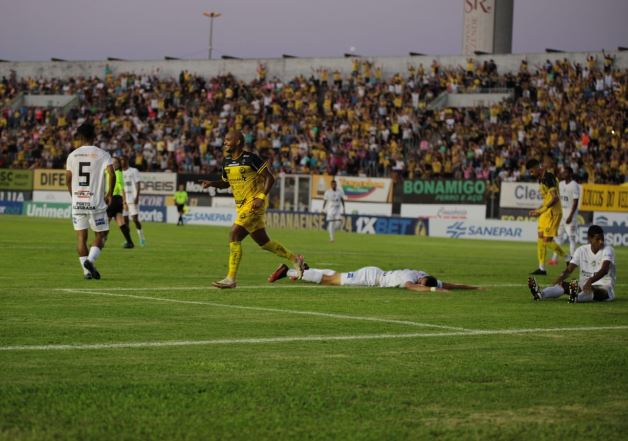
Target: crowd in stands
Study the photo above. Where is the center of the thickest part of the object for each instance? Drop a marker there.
(365, 123)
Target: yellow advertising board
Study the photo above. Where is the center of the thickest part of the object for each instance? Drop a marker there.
(598, 197)
(49, 179)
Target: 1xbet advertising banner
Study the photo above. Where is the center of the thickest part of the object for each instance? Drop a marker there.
(192, 185)
(596, 197)
(351, 223)
(49, 180)
(442, 191)
(356, 189)
(158, 183)
(11, 179)
(11, 207)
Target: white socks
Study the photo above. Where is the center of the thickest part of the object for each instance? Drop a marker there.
(94, 252)
(140, 233)
(82, 260)
(331, 227)
(552, 292)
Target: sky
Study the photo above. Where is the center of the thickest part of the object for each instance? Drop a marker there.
(152, 29)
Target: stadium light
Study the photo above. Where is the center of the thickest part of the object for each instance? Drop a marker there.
(167, 58)
(289, 56)
(230, 57)
(4, 61)
(622, 48)
(549, 50)
(115, 59)
(57, 59)
(211, 15)
(416, 54)
(348, 55)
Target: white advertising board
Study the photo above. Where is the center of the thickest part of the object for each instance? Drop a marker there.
(52, 196)
(520, 195)
(484, 230)
(447, 212)
(357, 208)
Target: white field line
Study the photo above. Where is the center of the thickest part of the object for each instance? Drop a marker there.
(296, 339)
(265, 309)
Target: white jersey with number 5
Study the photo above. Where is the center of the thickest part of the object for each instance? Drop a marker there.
(568, 193)
(88, 164)
(131, 179)
(590, 264)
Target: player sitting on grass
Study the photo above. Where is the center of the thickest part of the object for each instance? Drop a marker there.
(370, 276)
(597, 273)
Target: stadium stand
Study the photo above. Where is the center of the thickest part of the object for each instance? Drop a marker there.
(358, 123)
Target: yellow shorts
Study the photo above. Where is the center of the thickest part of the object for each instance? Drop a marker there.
(251, 220)
(549, 223)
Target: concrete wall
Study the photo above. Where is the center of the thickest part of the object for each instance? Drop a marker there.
(475, 99)
(284, 69)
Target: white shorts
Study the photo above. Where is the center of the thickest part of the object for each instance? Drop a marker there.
(97, 221)
(132, 210)
(570, 230)
(334, 215)
(367, 276)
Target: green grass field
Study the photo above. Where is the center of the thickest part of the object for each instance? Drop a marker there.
(151, 351)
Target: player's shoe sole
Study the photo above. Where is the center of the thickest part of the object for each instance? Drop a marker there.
(573, 291)
(89, 266)
(279, 273)
(538, 272)
(534, 288)
(299, 266)
(224, 284)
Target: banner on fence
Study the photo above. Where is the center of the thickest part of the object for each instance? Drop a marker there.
(11, 179)
(487, 229)
(442, 191)
(356, 189)
(597, 197)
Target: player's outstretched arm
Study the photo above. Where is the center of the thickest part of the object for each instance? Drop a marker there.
(561, 278)
(215, 184)
(448, 285)
(422, 288)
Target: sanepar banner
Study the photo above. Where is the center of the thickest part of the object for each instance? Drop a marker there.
(442, 191)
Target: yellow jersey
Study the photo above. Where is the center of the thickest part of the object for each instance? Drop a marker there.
(549, 187)
(243, 175)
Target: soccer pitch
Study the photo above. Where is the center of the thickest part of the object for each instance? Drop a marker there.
(151, 351)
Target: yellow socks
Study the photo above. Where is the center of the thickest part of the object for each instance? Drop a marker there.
(235, 255)
(556, 248)
(279, 250)
(540, 252)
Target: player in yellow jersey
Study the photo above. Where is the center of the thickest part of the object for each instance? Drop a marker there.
(250, 180)
(549, 213)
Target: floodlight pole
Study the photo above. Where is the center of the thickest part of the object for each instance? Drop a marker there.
(211, 16)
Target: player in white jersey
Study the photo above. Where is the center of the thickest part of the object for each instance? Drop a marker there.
(597, 273)
(85, 177)
(334, 201)
(371, 276)
(569, 191)
(132, 192)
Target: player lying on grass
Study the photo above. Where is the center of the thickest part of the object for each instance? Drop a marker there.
(597, 273)
(370, 276)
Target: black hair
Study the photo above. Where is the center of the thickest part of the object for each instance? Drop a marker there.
(594, 230)
(532, 163)
(86, 131)
(569, 170)
(431, 281)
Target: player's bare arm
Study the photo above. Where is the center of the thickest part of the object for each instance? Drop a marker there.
(269, 180)
(215, 184)
(574, 207)
(111, 175)
(587, 287)
(422, 288)
(68, 181)
(566, 272)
